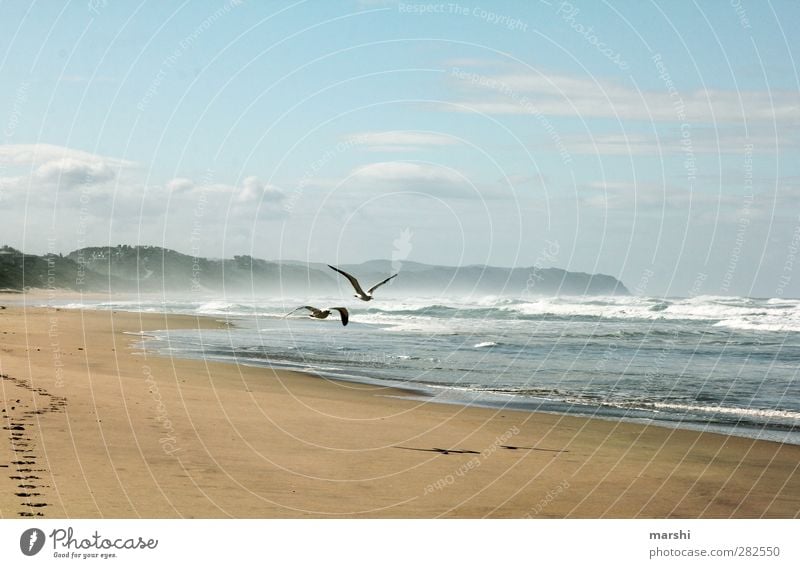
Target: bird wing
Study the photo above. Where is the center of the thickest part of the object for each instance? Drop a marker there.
(344, 313)
(352, 280)
(312, 309)
(380, 284)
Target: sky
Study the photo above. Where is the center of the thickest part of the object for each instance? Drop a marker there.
(653, 141)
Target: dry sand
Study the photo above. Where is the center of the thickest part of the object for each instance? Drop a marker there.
(93, 427)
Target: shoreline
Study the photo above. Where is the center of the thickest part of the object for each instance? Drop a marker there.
(145, 436)
(446, 395)
(419, 394)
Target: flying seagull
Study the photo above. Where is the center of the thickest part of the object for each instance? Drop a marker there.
(360, 294)
(322, 314)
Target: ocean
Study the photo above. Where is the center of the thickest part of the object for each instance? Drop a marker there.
(719, 364)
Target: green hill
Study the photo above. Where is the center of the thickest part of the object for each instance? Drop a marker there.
(19, 271)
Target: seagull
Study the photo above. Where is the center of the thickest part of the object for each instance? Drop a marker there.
(322, 314)
(360, 294)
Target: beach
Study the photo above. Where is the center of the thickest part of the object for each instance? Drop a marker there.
(93, 427)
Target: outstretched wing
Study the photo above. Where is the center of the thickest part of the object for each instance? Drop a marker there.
(380, 284)
(352, 280)
(312, 309)
(344, 313)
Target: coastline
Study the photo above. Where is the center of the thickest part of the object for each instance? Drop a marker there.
(106, 431)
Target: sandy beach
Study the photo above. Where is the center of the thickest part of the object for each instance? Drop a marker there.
(94, 427)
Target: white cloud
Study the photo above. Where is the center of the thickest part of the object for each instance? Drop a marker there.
(37, 154)
(252, 190)
(256, 191)
(660, 198)
(405, 171)
(50, 176)
(180, 185)
(44, 169)
(71, 172)
(410, 176)
(422, 178)
(703, 142)
(563, 95)
(400, 140)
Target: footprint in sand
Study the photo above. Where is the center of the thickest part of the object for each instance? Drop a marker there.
(16, 427)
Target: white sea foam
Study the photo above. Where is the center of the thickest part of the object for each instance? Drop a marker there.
(466, 315)
(75, 306)
(402, 322)
(461, 316)
(772, 323)
(731, 312)
(215, 308)
(761, 413)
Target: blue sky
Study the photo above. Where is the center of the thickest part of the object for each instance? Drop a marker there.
(654, 141)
